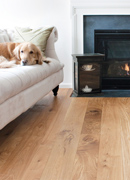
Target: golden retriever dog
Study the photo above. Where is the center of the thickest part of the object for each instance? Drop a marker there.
(19, 53)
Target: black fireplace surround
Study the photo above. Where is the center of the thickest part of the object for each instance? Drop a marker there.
(110, 35)
(115, 44)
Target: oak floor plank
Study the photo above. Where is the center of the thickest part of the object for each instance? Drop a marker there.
(42, 154)
(28, 134)
(110, 153)
(12, 143)
(8, 130)
(15, 131)
(20, 156)
(124, 110)
(64, 138)
(85, 166)
(64, 150)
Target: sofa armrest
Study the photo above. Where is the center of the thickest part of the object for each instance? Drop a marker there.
(50, 48)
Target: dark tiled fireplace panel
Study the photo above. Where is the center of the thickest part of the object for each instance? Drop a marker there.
(115, 44)
(110, 35)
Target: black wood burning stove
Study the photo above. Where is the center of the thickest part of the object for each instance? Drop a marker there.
(115, 44)
(87, 72)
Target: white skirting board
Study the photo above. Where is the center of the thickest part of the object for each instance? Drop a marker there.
(65, 85)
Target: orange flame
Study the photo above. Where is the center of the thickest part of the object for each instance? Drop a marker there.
(127, 67)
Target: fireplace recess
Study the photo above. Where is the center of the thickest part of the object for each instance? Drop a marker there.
(115, 44)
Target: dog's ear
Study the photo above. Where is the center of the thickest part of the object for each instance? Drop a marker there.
(16, 51)
(11, 46)
(40, 57)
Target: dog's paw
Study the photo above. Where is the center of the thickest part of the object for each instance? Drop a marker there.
(2, 59)
(4, 63)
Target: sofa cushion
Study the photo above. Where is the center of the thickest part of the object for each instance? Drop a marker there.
(4, 37)
(14, 80)
(38, 37)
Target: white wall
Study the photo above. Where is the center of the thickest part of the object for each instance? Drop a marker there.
(39, 13)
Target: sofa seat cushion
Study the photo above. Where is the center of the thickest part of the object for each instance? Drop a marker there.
(14, 80)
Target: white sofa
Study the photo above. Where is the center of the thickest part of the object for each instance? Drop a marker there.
(22, 86)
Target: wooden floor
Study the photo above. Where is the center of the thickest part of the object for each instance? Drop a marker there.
(64, 138)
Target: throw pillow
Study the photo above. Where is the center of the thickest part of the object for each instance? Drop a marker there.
(38, 37)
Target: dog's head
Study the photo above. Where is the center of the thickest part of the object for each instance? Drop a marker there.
(28, 54)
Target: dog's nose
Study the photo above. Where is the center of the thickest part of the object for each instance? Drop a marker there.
(24, 62)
